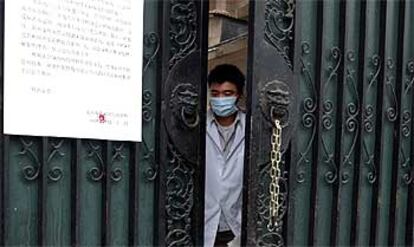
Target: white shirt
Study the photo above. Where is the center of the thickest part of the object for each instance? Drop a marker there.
(224, 180)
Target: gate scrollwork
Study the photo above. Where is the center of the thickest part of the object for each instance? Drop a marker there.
(309, 106)
(280, 26)
(31, 169)
(406, 161)
(183, 29)
(55, 173)
(96, 173)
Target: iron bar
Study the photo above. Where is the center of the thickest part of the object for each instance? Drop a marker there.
(367, 170)
(6, 187)
(349, 111)
(249, 172)
(327, 175)
(402, 152)
(42, 193)
(160, 182)
(299, 174)
(410, 70)
(198, 231)
(133, 202)
(316, 152)
(106, 194)
(389, 113)
(360, 120)
(75, 193)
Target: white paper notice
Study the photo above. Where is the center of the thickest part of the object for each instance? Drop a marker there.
(73, 68)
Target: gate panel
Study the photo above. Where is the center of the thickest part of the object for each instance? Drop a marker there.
(408, 80)
(21, 191)
(147, 171)
(326, 175)
(118, 186)
(89, 190)
(403, 169)
(272, 95)
(303, 144)
(182, 130)
(350, 161)
(57, 191)
(56, 188)
(349, 111)
(367, 171)
(387, 159)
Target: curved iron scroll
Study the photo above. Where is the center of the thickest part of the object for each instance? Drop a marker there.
(368, 118)
(406, 160)
(328, 116)
(279, 17)
(183, 29)
(152, 45)
(31, 169)
(352, 111)
(55, 173)
(308, 108)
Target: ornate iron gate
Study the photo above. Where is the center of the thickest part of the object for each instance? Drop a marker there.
(62, 192)
(58, 191)
(337, 73)
(348, 177)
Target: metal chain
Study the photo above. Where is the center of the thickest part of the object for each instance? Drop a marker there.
(275, 175)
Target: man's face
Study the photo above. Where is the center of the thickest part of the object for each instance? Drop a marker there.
(225, 89)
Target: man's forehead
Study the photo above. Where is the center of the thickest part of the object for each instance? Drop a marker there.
(224, 85)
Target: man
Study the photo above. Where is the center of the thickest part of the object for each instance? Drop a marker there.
(224, 156)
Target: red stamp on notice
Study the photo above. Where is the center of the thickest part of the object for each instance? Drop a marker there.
(101, 118)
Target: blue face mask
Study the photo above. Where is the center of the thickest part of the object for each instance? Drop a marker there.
(223, 106)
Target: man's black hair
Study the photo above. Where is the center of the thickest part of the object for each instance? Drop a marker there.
(227, 72)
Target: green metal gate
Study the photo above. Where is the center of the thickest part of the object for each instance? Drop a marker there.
(338, 73)
(349, 167)
(61, 192)
(80, 192)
